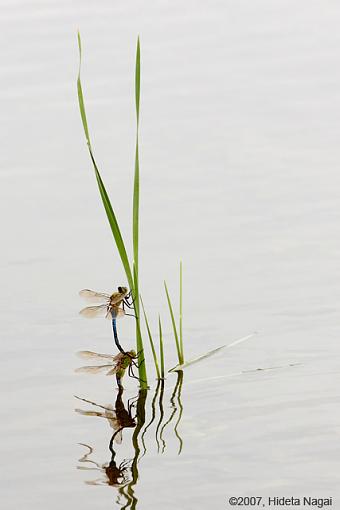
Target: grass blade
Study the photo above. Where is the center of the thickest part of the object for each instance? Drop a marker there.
(81, 97)
(135, 212)
(113, 224)
(210, 353)
(161, 347)
(135, 224)
(104, 196)
(139, 340)
(154, 354)
(181, 310)
(137, 80)
(179, 354)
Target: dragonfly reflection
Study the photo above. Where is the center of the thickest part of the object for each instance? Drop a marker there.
(112, 307)
(118, 417)
(115, 475)
(124, 476)
(114, 365)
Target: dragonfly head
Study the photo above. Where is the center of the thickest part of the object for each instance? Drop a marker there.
(123, 290)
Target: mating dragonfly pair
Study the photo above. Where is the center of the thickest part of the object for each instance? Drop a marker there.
(112, 307)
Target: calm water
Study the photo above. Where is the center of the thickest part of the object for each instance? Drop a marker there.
(240, 178)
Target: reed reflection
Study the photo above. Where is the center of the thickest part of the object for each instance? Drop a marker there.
(176, 404)
(146, 415)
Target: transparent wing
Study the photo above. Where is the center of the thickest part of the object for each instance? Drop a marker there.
(86, 468)
(91, 312)
(90, 413)
(119, 437)
(97, 355)
(94, 297)
(113, 422)
(111, 416)
(116, 312)
(93, 369)
(113, 370)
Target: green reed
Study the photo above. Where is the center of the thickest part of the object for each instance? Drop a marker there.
(181, 310)
(161, 346)
(178, 340)
(177, 337)
(132, 277)
(132, 270)
(153, 350)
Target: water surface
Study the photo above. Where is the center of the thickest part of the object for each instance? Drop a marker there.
(239, 165)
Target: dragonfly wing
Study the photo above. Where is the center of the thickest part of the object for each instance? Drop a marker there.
(116, 312)
(110, 415)
(94, 297)
(113, 370)
(93, 369)
(99, 481)
(90, 312)
(86, 468)
(97, 355)
(90, 413)
(113, 422)
(119, 437)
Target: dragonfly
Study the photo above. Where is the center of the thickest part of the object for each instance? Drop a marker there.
(114, 365)
(112, 307)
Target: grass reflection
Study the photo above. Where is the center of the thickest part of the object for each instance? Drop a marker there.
(161, 417)
(176, 404)
(153, 416)
(139, 413)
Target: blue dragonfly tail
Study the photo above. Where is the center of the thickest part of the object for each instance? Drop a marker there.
(115, 335)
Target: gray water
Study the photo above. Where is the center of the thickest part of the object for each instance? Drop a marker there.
(240, 122)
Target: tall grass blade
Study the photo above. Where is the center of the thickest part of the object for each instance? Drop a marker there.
(135, 212)
(81, 97)
(137, 79)
(154, 354)
(104, 196)
(139, 340)
(161, 346)
(179, 354)
(181, 310)
(135, 224)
